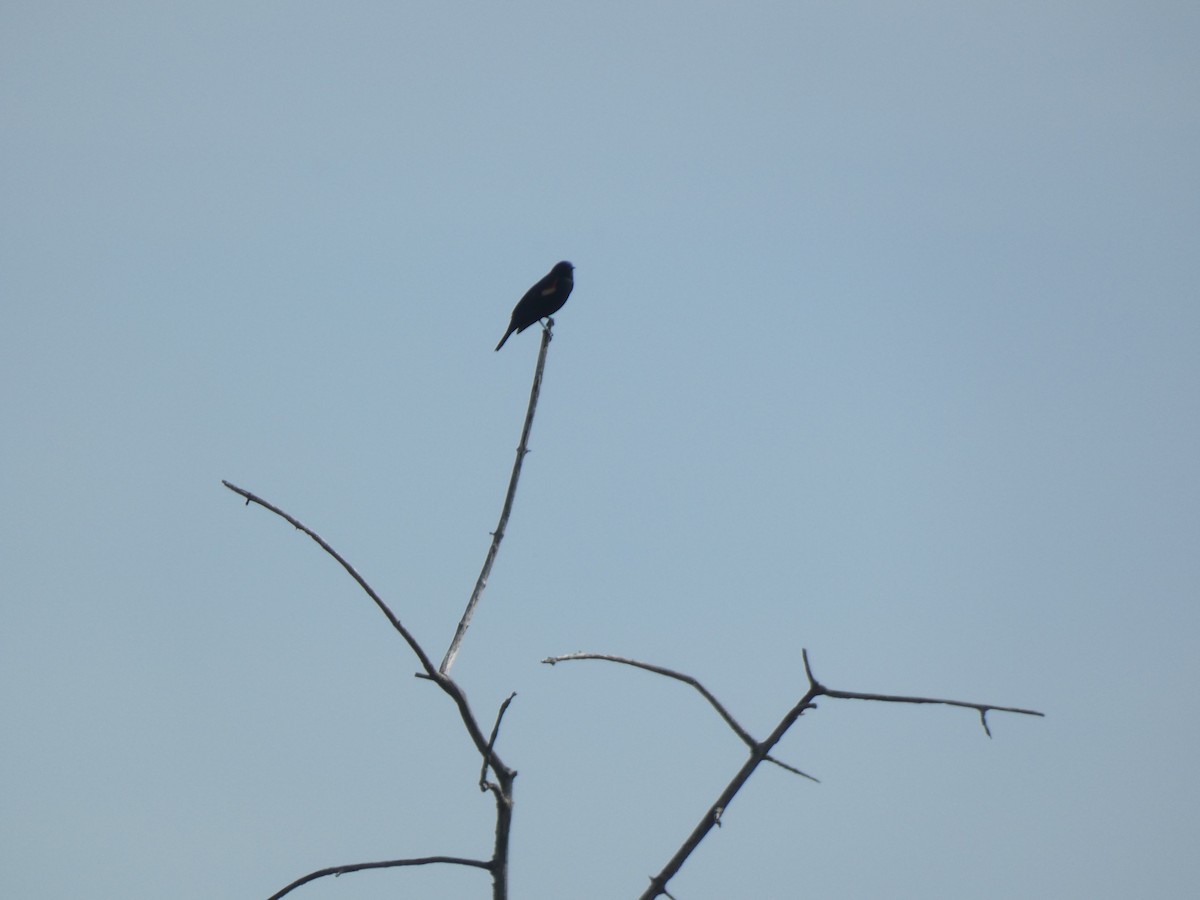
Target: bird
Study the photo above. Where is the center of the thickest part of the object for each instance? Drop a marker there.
(543, 299)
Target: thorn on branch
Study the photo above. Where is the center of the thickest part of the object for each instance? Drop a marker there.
(791, 769)
(983, 721)
(658, 888)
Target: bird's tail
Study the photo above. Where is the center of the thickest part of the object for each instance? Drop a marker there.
(503, 339)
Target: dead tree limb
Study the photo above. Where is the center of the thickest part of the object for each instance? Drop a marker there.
(384, 864)
(760, 750)
(501, 788)
(498, 534)
(737, 729)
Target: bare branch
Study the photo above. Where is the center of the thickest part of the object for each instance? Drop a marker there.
(498, 534)
(714, 814)
(386, 864)
(669, 673)
(498, 866)
(760, 751)
(982, 708)
(426, 663)
(487, 757)
(807, 667)
(431, 673)
(741, 732)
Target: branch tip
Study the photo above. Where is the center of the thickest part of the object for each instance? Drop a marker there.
(808, 668)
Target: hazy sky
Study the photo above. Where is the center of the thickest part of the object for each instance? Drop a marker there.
(883, 344)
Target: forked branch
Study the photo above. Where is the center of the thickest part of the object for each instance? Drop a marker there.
(760, 750)
(502, 790)
(716, 704)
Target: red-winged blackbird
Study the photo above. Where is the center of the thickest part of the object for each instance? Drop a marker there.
(543, 299)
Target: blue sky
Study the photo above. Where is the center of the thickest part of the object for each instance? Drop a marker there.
(883, 344)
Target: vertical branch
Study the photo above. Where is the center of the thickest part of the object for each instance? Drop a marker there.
(498, 534)
(504, 811)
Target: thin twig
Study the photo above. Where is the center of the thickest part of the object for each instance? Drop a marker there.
(982, 708)
(498, 534)
(426, 663)
(669, 673)
(792, 769)
(487, 757)
(386, 864)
